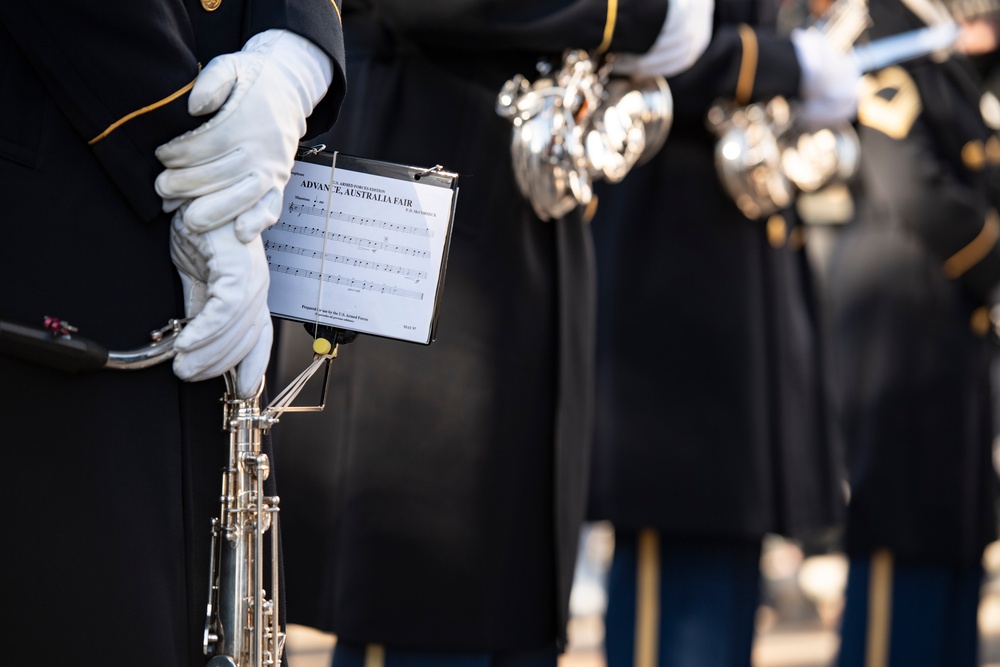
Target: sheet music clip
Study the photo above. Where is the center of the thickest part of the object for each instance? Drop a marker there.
(305, 151)
(428, 171)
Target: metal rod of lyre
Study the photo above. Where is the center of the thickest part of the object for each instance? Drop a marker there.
(282, 402)
(277, 639)
(257, 594)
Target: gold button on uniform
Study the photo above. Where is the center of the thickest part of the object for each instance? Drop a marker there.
(797, 238)
(974, 155)
(777, 231)
(591, 210)
(993, 150)
(980, 322)
(210, 5)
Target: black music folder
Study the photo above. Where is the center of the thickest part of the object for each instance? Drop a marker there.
(362, 245)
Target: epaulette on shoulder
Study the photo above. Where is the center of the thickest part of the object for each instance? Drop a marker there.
(889, 102)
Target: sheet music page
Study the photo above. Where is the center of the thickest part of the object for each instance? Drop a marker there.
(359, 251)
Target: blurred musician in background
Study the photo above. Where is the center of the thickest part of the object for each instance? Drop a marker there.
(440, 496)
(910, 286)
(712, 421)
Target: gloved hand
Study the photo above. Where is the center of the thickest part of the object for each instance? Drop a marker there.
(683, 38)
(830, 80)
(236, 164)
(225, 290)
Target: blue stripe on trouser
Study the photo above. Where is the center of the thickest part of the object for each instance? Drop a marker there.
(932, 616)
(708, 597)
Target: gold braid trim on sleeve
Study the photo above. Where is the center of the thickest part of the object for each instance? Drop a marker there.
(139, 112)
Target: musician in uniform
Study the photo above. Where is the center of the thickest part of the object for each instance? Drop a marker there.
(910, 286)
(115, 476)
(712, 422)
(439, 497)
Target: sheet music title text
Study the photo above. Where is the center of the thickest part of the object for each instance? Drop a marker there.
(364, 192)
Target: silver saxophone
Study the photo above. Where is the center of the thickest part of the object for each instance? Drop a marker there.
(577, 125)
(762, 157)
(242, 625)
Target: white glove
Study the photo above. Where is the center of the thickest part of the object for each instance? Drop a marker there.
(830, 80)
(236, 164)
(225, 290)
(683, 38)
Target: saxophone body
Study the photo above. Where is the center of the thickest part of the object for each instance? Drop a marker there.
(242, 626)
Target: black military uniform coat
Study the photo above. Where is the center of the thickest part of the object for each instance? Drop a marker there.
(114, 476)
(908, 287)
(446, 484)
(711, 418)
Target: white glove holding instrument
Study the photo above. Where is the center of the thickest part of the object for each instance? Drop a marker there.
(225, 290)
(236, 164)
(830, 80)
(684, 37)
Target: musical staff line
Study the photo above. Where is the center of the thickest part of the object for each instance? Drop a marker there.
(320, 211)
(347, 282)
(359, 241)
(350, 261)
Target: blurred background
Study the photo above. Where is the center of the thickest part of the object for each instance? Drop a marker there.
(803, 591)
(796, 625)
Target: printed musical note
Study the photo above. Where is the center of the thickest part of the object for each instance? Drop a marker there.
(297, 229)
(361, 242)
(383, 224)
(351, 261)
(307, 209)
(347, 282)
(320, 211)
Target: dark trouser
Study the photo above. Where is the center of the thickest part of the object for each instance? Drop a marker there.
(375, 655)
(910, 615)
(674, 603)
